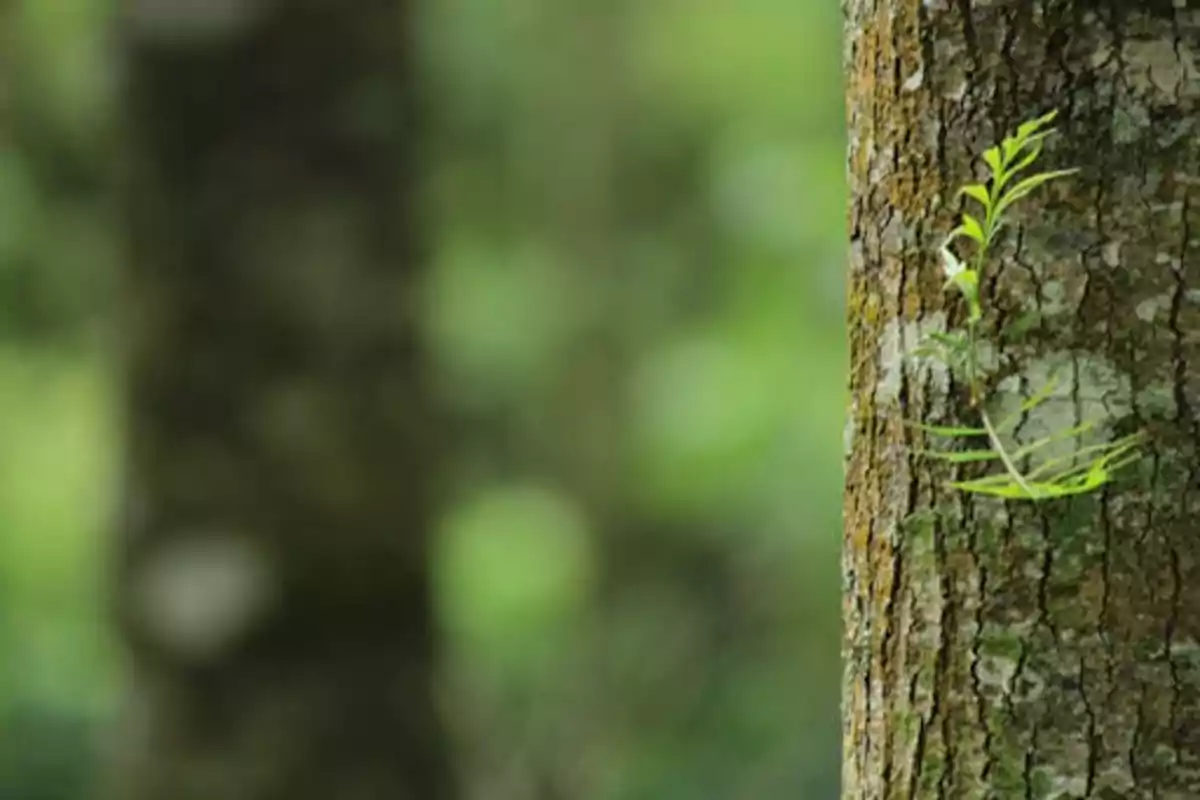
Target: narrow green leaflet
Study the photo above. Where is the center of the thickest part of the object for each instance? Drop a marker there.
(1026, 129)
(979, 192)
(948, 431)
(973, 229)
(1024, 187)
(961, 456)
(1033, 402)
(994, 160)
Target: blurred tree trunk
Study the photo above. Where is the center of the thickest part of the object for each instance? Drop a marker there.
(272, 576)
(1025, 651)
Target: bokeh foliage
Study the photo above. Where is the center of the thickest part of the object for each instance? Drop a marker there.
(635, 307)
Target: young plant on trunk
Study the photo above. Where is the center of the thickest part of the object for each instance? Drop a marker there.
(1087, 467)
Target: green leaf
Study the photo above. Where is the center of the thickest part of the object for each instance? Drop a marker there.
(1026, 129)
(1057, 436)
(1005, 490)
(998, 479)
(997, 225)
(1125, 462)
(991, 157)
(1093, 480)
(1074, 432)
(1034, 148)
(1016, 329)
(1086, 477)
(949, 431)
(941, 345)
(961, 456)
(978, 192)
(1012, 171)
(953, 341)
(1011, 146)
(973, 229)
(1016, 415)
(1115, 449)
(1039, 397)
(967, 282)
(1037, 491)
(1039, 137)
(1024, 187)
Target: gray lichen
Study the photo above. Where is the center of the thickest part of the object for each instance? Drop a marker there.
(897, 347)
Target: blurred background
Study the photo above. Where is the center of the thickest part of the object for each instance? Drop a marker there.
(636, 304)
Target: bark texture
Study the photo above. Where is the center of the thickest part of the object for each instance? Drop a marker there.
(272, 581)
(1015, 650)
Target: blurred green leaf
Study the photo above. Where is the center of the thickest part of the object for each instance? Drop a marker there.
(514, 572)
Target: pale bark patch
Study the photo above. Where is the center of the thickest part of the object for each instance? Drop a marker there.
(1151, 309)
(896, 350)
(199, 594)
(1086, 388)
(1162, 67)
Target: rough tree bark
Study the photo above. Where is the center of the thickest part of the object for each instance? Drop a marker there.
(272, 572)
(1048, 651)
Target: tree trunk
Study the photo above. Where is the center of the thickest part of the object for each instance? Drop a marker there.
(1047, 650)
(272, 583)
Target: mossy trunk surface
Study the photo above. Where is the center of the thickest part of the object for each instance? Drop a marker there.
(1025, 650)
(272, 579)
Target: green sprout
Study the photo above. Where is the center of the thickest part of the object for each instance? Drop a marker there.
(1087, 468)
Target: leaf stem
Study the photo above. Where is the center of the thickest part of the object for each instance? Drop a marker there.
(1004, 457)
